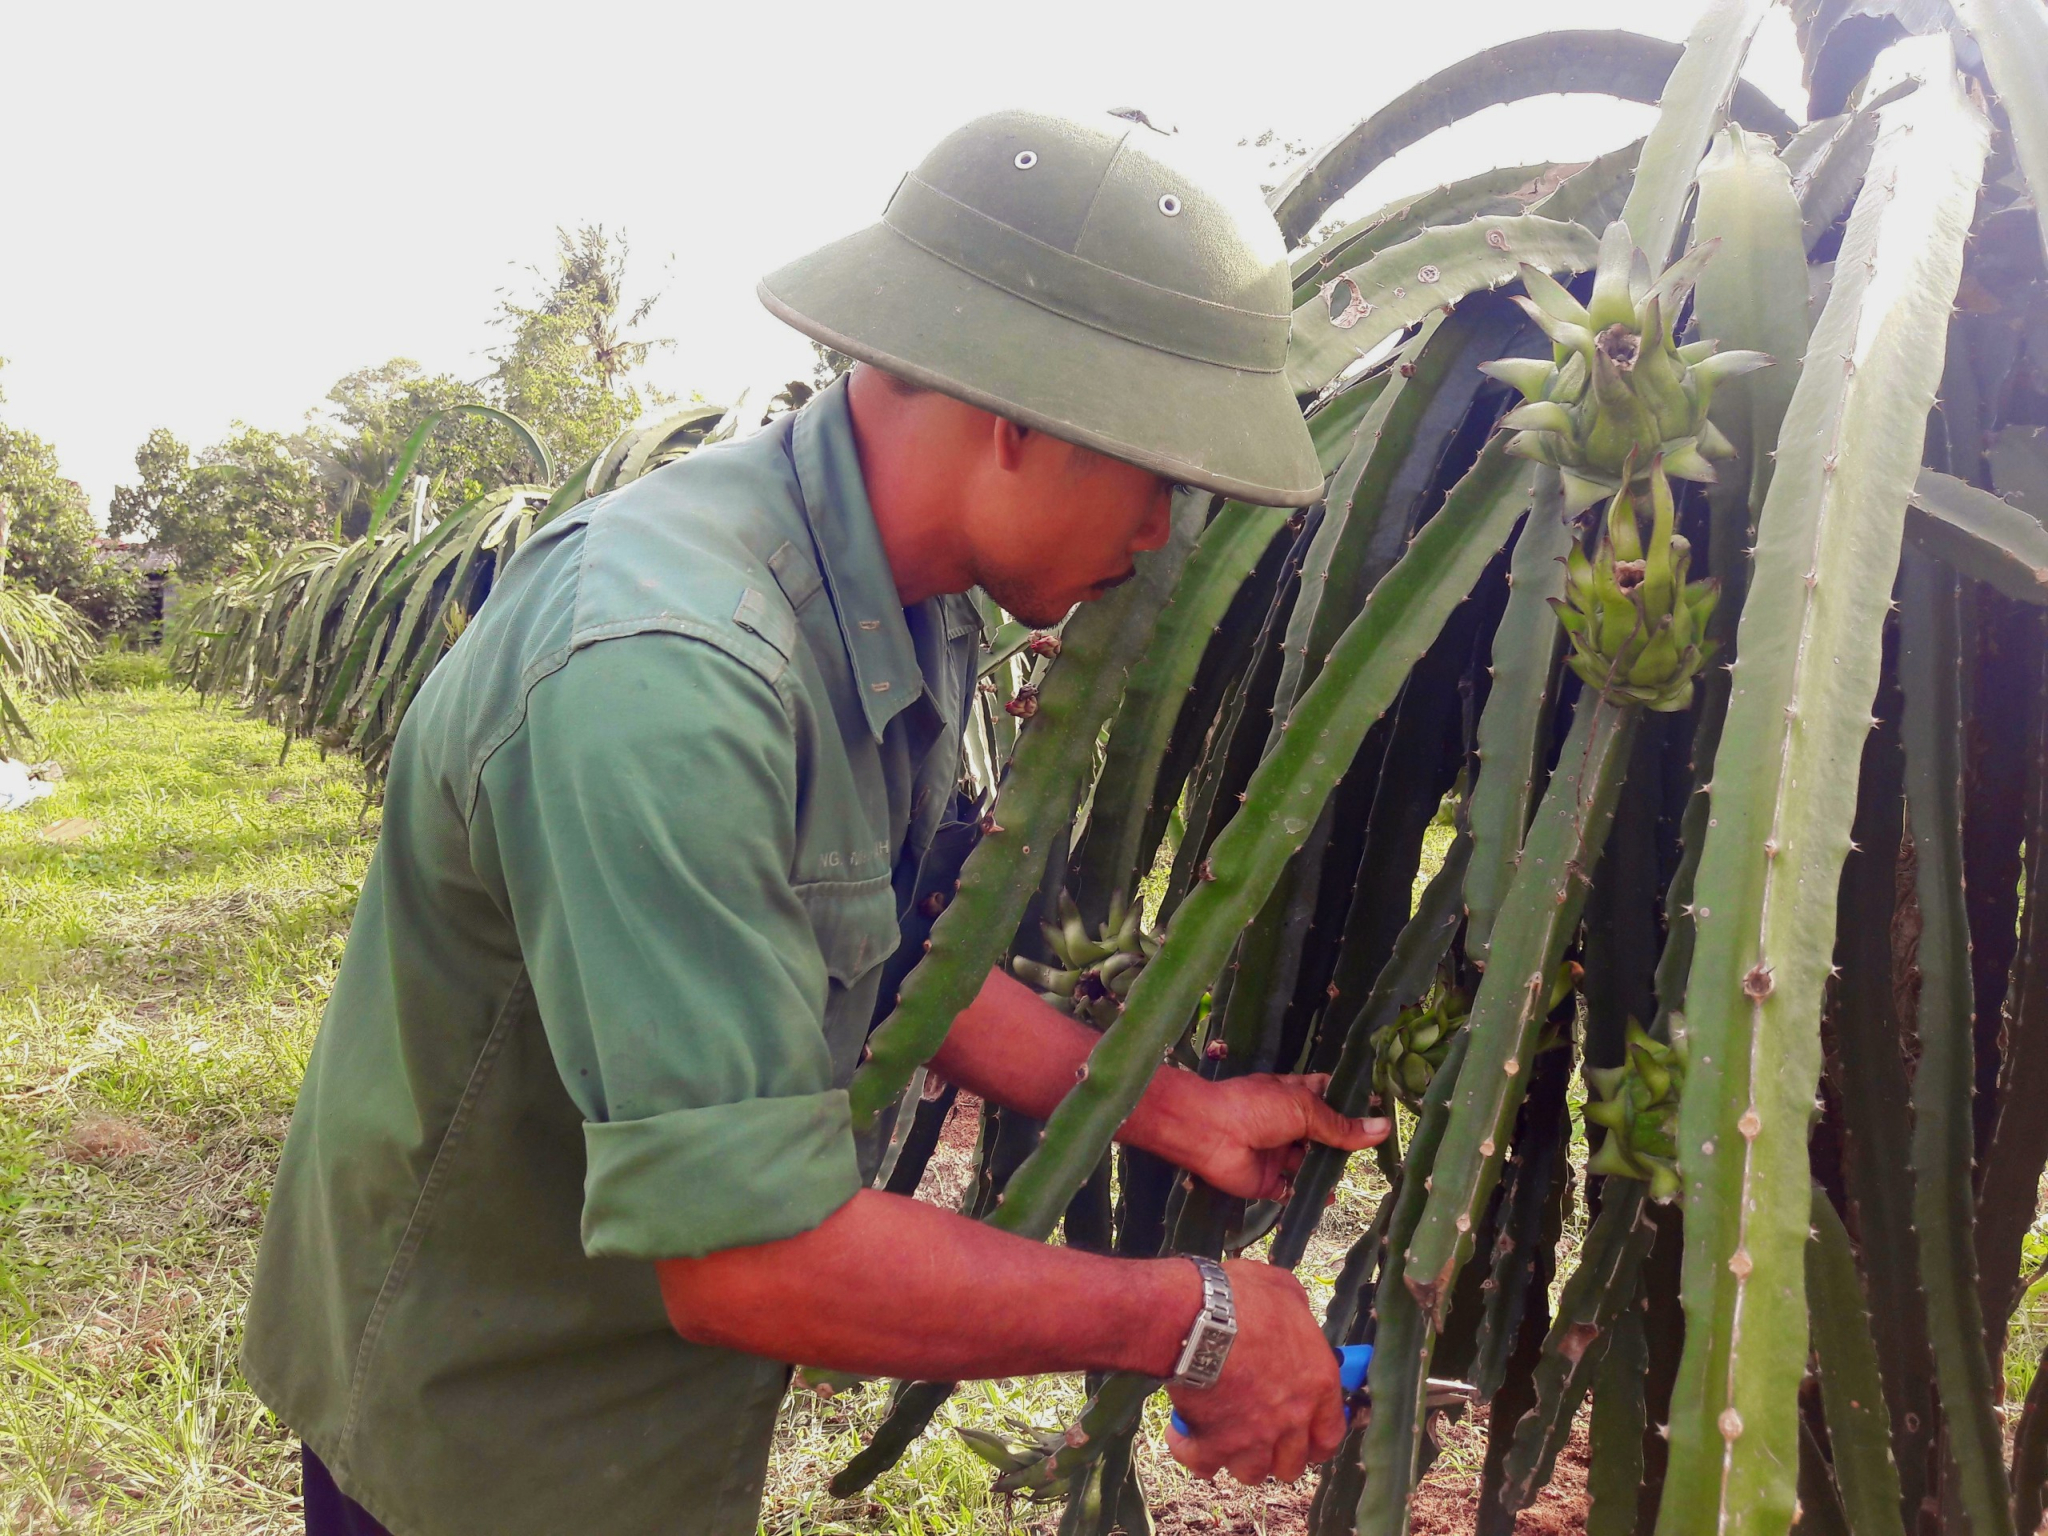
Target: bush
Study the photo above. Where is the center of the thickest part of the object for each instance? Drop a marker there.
(120, 667)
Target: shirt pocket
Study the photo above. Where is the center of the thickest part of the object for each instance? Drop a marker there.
(854, 922)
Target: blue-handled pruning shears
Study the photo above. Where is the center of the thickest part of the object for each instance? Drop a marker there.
(1353, 1361)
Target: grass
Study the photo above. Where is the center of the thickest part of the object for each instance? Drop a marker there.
(170, 923)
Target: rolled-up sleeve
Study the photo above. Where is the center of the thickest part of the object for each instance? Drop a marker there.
(642, 823)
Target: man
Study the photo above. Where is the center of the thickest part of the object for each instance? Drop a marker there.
(572, 1174)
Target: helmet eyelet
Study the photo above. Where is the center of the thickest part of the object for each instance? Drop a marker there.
(1026, 158)
(1170, 205)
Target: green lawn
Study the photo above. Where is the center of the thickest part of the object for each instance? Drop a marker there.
(170, 921)
(169, 925)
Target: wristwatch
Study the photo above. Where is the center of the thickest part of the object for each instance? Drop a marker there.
(1208, 1341)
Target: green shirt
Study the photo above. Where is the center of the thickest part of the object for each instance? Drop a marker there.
(648, 833)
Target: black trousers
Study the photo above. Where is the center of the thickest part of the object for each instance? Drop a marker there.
(329, 1511)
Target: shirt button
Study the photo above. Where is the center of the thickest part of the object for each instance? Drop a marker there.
(879, 687)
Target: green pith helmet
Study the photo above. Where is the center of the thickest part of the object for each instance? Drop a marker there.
(1073, 278)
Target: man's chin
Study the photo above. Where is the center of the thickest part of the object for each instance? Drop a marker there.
(1034, 615)
(1042, 611)
(1038, 609)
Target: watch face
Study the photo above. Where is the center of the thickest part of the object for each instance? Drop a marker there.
(1211, 1345)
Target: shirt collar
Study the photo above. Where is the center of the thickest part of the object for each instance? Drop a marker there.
(850, 556)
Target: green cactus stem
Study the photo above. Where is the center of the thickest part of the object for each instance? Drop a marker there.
(1693, 105)
(1981, 535)
(1593, 195)
(1868, 1074)
(1375, 497)
(1604, 1286)
(1489, 192)
(1113, 854)
(1828, 167)
(2014, 42)
(1752, 295)
(1534, 1189)
(1638, 1108)
(1852, 1391)
(1542, 908)
(1333, 420)
(1376, 491)
(1783, 796)
(1353, 313)
(1354, 1274)
(910, 1409)
(1037, 798)
(2030, 1455)
(1110, 1412)
(1237, 739)
(1930, 670)
(1357, 683)
(1405, 1335)
(1614, 63)
(1614, 1437)
(2009, 1171)
(1514, 728)
(1820, 1502)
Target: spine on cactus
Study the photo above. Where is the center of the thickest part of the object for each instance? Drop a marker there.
(1782, 800)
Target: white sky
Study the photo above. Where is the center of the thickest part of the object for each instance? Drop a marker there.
(212, 211)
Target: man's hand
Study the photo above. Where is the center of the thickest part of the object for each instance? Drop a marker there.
(1278, 1408)
(1245, 1135)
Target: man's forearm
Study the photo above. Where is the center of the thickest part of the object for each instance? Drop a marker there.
(1009, 1047)
(889, 1286)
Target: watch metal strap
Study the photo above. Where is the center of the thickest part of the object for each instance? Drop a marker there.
(1208, 1341)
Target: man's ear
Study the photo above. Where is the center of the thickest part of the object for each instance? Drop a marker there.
(1009, 444)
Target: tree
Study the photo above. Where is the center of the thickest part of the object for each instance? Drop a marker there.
(163, 467)
(251, 489)
(374, 410)
(572, 348)
(50, 540)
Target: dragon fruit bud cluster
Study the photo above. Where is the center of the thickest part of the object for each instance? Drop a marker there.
(1638, 1106)
(1619, 391)
(1094, 974)
(1637, 625)
(1407, 1052)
